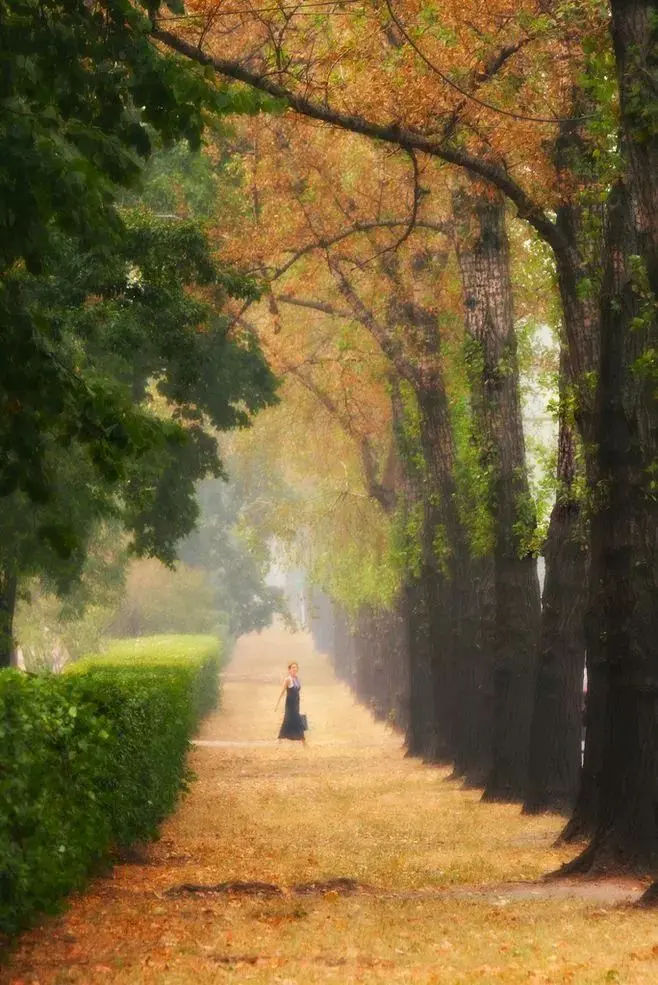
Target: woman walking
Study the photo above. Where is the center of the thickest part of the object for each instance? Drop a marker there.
(294, 724)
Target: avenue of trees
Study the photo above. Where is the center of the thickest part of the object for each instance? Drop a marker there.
(407, 194)
(546, 114)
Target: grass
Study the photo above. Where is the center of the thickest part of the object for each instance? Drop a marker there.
(438, 910)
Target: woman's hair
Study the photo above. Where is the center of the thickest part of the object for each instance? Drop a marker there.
(293, 664)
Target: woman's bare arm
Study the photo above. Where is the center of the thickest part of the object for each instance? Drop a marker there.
(283, 691)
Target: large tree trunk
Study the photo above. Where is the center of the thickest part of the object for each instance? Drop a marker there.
(483, 253)
(623, 668)
(578, 266)
(444, 552)
(555, 743)
(635, 38)
(624, 558)
(475, 679)
(420, 736)
(461, 671)
(416, 596)
(8, 597)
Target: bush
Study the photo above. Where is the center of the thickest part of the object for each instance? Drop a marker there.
(92, 760)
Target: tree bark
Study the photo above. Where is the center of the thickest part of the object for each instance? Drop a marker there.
(474, 685)
(344, 659)
(555, 742)
(623, 669)
(483, 254)
(623, 664)
(444, 551)
(578, 265)
(635, 39)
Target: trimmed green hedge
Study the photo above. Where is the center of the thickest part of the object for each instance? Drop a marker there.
(93, 759)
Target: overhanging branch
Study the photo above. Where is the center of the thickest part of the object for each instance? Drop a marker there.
(393, 133)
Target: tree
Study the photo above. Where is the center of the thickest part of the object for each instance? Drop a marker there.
(555, 751)
(483, 251)
(234, 558)
(625, 524)
(84, 93)
(125, 323)
(157, 599)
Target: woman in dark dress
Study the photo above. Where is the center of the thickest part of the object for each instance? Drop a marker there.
(294, 725)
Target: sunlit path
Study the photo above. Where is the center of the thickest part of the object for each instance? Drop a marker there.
(433, 873)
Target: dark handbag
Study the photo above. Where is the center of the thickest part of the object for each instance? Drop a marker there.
(304, 722)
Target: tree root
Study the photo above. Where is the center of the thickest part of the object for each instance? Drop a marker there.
(229, 888)
(341, 885)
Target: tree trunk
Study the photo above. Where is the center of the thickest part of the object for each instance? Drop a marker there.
(483, 253)
(322, 622)
(635, 38)
(394, 662)
(623, 665)
(474, 685)
(578, 265)
(8, 597)
(624, 558)
(344, 658)
(420, 737)
(417, 590)
(444, 552)
(555, 743)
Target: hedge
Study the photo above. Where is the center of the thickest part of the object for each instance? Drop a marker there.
(93, 760)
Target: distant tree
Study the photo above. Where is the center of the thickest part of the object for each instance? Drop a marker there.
(235, 559)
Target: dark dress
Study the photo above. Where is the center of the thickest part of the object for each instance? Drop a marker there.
(292, 726)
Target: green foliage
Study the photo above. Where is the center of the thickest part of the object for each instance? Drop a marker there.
(194, 184)
(83, 91)
(84, 94)
(196, 659)
(127, 339)
(407, 538)
(473, 478)
(234, 559)
(361, 576)
(93, 760)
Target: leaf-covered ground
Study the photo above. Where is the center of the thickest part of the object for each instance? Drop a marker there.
(438, 898)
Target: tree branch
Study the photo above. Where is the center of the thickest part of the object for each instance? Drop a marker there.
(394, 134)
(389, 345)
(323, 306)
(323, 243)
(384, 495)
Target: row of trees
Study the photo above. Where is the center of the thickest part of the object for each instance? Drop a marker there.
(550, 111)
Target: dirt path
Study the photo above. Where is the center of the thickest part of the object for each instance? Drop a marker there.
(372, 868)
